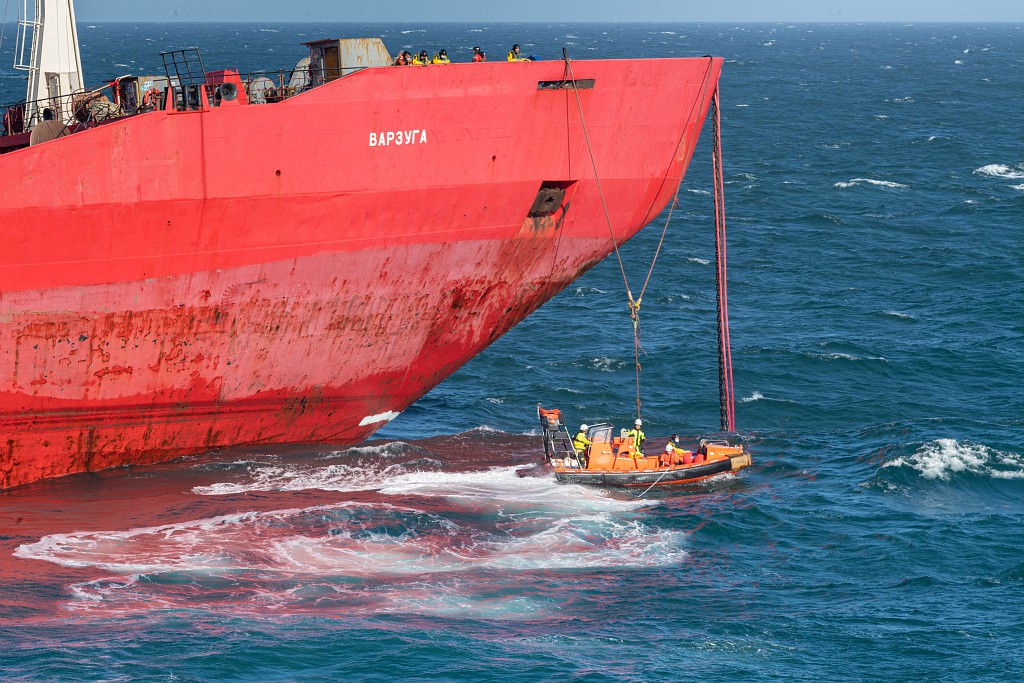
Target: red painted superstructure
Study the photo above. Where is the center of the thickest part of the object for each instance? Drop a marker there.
(302, 271)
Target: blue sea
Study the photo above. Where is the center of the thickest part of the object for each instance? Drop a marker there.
(874, 181)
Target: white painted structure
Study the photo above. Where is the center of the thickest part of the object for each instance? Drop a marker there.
(54, 64)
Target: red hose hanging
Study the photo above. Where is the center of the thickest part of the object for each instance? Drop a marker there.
(726, 397)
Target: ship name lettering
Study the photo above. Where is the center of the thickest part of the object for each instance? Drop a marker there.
(398, 137)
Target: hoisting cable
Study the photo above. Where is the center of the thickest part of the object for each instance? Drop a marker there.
(634, 304)
(726, 397)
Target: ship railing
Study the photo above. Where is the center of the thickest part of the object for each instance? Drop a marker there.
(268, 87)
(18, 120)
(82, 109)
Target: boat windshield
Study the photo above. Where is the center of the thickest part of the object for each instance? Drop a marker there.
(602, 433)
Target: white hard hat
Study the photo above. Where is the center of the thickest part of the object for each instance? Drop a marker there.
(584, 428)
(639, 422)
(669, 448)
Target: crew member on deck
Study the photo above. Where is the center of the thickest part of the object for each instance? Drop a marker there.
(478, 55)
(422, 59)
(638, 436)
(514, 55)
(580, 442)
(441, 58)
(403, 58)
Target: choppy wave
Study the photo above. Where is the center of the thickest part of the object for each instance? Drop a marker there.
(1002, 171)
(853, 182)
(945, 458)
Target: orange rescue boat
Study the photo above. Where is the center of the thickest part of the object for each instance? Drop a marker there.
(612, 460)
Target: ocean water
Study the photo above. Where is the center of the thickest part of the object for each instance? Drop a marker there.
(875, 203)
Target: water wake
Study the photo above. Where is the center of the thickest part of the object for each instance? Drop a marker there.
(369, 555)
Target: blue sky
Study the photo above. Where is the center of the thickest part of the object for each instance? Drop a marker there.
(406, 11)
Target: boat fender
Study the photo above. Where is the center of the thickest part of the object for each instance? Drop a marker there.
(740, 461)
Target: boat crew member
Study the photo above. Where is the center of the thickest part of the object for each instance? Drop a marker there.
(441, 57)
(422, 59)
(669, 456)
(478, 55)
(404, 58)
(580, 442)
(638, 436)
(514, 55)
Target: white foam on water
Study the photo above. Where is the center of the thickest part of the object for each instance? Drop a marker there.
(492, 521)
(304, 478)
(699, 261)
(945, 458)
(898, 314)
(500, 488)
(1002, 171)
(365, 469)
(853, 182)
(756, 396)
(1017, 187)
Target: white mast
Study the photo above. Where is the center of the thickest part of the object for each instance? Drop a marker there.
(54, 65)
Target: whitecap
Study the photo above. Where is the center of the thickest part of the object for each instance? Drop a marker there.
(897, 314)
(838, 355)
(699, 261)
(605, 364)
(1001, 171)
(958, 61)
(1017, 187)
(853, 182)
(944, 458)
(756, 396)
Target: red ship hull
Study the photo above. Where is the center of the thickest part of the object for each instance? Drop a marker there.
(175, 282)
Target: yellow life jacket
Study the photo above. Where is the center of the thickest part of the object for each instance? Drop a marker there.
(440, 60)
(513, 58)
(580, 442)
(638, 437)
